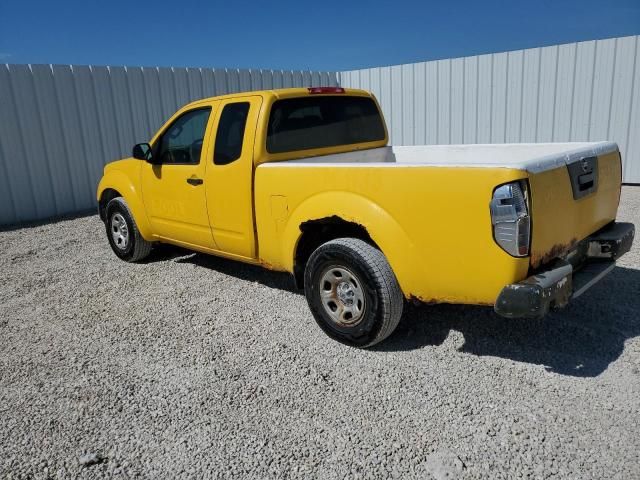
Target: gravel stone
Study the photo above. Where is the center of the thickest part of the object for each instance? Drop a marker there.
(191, 366)
(444, 465)
(90, 459)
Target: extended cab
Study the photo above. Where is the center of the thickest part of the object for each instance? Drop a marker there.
(302, 181)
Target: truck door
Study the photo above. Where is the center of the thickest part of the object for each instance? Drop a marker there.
(229, 177)
(173, 187)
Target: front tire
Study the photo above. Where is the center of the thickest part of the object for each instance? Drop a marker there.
(123, 234)
(352, 292)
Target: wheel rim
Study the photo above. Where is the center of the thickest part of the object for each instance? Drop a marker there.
(342, 296)
(119, 231)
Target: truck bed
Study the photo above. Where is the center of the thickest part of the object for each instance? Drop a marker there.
(418, 200)
(530, 157)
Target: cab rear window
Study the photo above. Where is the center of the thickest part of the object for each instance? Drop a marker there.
(323, 121)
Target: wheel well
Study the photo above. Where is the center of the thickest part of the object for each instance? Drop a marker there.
(107, 195)
(317, 232)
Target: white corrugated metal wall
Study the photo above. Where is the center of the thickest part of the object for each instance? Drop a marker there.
(59, 124)
(585, 91)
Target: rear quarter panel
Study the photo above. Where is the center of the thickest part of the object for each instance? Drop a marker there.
(432, 223)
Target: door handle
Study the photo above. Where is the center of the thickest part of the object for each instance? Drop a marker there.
(194, 181)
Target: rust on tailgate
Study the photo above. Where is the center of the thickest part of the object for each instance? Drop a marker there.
(556, 251)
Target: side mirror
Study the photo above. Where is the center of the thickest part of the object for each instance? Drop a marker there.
(142, 151)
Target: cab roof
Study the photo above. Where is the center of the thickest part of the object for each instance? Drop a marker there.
(279, 93)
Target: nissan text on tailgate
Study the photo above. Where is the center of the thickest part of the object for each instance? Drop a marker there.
(302, 181)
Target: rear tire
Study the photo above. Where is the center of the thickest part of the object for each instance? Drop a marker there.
(123, 234)
(352, 292)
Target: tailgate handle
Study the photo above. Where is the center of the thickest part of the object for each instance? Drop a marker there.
(583, 174)
(585, 181)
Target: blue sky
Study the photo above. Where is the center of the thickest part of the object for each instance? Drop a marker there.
(316, 34)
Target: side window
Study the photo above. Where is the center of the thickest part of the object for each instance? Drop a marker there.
(230, 134)
(181, 143)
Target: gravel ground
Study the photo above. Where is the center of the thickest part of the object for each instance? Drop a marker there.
(193, 366)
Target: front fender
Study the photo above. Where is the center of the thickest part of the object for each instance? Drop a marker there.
(383, 229)
(123, 184)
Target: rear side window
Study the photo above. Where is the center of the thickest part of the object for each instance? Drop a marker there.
(233, 120)
(323, 121)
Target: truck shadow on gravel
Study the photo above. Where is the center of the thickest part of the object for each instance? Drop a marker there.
(581, 340)
(243, 271)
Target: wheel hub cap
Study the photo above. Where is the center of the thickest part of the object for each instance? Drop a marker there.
(342, 296)
(345, 293)
(119, 231)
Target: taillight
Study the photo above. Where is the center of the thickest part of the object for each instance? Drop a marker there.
(314, 90)
(510, 218)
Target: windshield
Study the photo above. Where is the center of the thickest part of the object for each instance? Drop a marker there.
(324, 121)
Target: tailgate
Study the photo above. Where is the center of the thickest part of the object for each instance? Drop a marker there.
(573, 199)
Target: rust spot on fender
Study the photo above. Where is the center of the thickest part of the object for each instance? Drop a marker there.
(269, 266)
(558, 250)
(418, 300)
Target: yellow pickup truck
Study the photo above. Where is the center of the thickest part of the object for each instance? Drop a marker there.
(302, 181)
